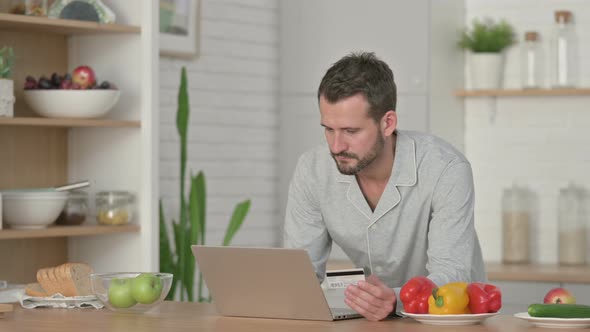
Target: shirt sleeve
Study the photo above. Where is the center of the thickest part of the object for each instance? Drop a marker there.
(451, 236)
(304, 225)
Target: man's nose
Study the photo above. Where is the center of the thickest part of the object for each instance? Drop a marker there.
(338, 144)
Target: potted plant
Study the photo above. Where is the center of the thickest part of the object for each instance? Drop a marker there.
(177, 258)
(6, 84)
(486, 42)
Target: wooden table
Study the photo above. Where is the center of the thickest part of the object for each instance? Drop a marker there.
(183, 316)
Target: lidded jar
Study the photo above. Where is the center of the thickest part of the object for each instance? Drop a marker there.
(75, 210)
(516, 225)
(114, 207)
(531, 63)
(572, 220)
(564, 51)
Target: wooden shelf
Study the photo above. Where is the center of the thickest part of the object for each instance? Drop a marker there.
(47, 122)
(63, 231)
(59, 26)
(521, 92)
(538, 272)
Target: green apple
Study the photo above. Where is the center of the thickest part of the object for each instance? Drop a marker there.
(120, 293)
(146, 288)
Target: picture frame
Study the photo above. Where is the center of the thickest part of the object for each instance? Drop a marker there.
(179, 28)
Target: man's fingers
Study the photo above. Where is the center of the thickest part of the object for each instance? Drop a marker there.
(361, 310)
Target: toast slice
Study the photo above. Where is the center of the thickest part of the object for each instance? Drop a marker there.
(35, 289)
(69, 279)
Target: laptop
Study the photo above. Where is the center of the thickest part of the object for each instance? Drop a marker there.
(268, 283)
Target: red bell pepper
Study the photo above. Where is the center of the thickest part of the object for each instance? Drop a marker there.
(414, 294)
(484, 298)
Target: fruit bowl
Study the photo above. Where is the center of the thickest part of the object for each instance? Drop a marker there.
(131, 291)
(82, 104)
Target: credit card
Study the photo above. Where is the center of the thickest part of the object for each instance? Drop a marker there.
(343, 278)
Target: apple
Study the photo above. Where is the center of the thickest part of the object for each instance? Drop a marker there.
(84, 76)
(560, 296)
(146, 288)
(120, 293)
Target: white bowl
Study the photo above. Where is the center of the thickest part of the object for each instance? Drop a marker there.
(32, 209)
(81, 104)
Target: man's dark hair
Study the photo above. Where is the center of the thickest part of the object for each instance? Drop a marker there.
(361, 73)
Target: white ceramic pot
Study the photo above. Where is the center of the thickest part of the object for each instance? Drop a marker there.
(6, 97)
(486, 70)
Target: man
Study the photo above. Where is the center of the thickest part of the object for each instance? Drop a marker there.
(399, 203)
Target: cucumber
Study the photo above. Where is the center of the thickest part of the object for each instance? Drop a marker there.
(559, 310)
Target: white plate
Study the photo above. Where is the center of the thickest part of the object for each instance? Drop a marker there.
(559, 323)
(466, 319)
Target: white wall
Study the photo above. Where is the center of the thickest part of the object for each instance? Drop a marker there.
(233, 119)
(541, 142)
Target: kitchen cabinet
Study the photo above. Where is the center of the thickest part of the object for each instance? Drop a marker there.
(117, 152)
(522, 92)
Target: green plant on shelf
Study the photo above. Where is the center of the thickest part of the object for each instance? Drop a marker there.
(191, 229)
(6, 61)
(487, 36)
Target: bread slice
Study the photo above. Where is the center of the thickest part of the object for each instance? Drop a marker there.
(78, 275)
(35, 289)
(69, 279)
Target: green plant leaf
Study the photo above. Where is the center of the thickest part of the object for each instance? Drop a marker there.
(487, 36)
(166, 259)
(189, 271)
(178, 235)
(237, 218)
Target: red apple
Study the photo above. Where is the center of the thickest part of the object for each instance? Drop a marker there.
(559, 296)
(84, 77)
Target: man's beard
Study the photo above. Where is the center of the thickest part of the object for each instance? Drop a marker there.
(362, 163)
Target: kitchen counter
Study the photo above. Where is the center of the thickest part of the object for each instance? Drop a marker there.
(518, 272)
(183, 316)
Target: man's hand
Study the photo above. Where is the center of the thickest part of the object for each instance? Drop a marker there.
(371, 298)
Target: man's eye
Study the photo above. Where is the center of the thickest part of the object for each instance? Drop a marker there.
(328, 129)
(351, 131)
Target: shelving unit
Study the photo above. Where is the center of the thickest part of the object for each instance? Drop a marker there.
(117, 152)
(521, 92)
(68, 123)
(61, 231)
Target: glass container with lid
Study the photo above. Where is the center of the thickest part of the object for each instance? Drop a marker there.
(564, 51)
(531, 61)
(516, 225)
(572, 220)
(75, 210)
(114, 207)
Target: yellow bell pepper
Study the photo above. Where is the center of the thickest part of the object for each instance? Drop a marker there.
(449, 299)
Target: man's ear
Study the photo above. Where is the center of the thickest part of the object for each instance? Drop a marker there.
(389, 123)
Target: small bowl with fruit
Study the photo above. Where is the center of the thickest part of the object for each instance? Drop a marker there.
(131, 291)
(78, 95)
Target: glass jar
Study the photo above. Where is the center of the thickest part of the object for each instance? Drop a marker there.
(564, 51)
(114, 207)
(572, 226)
(531, 63)
(516, 225)
(75, 210)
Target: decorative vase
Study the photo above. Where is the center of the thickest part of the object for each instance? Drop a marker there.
(6, 97)
(486, 70)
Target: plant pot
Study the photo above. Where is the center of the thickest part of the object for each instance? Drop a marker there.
(6, 97)
(486, 70)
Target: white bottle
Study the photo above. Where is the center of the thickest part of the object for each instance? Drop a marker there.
(531, 63)
(564, 51)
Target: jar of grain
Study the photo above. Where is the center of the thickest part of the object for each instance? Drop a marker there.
(516, 225)
(114, 207)
(572, 226)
